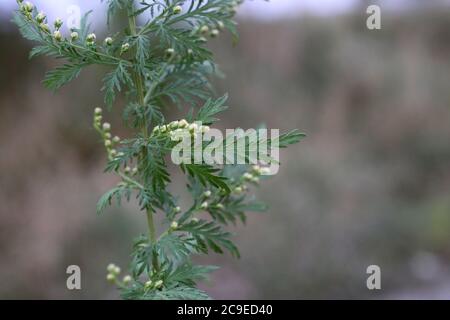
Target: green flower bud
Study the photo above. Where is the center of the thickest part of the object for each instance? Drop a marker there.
(202, 40)
(177, 9)
(91, 38)
(44, 27)
(204, 30)
(110, 268)
(214, 33)
(248, 176)
(177, 209)
(158, 284)
(127, 279)
(40, 17)
(58, 23)
(148, 284)
(74, 36)
(204, 205)
(238, 190)
(109, 41)
(125, 47)
(28, 7)
(116, 270)
(98, 111)
(108, 143)
(174, 225)
(57, 35)
(106, 126)
(110, 277)
(219, 206)
(220, 25)
(194, 220)
(183, 123)
(170, 52)
(116, 139)
(207, 194)
(134, 171)
(127, 170)
(174, 125)
(107, 135)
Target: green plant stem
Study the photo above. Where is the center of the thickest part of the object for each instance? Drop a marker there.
(140, 95)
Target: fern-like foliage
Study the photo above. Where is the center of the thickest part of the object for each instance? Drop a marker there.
(164, 61)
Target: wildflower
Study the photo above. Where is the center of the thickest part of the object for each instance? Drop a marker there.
(74, 36)
(57, 35)
(58, 23)
(108, 41)
(177, 9)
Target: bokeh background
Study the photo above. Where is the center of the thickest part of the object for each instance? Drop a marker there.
(370, 185)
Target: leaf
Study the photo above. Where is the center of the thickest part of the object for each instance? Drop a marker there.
(177, 293)
(113, 82)
(209, 234)
(60, 76)
(188, 274)
(176, 246)
(27, 30)
(107, 198)
(206, 174)
(211, 108)
(289, 138)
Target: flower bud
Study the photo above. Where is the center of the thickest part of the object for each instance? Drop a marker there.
(207, 194)
(174, 125)
(40, 17)
(108, 143)
(127, 170)
(177, 209)
(110, 268)
(116, 139)
(107, 135)
(57, 35)
(158, 284)
(219, 206)
(255, 179)
(193, 127)
(110, 277)
(106, 126)
(202, 40)
(204, 205)
(120, 154)
(220, 25)
(127, 279)
(125, 47)
(98, 111)
(194, 220)
(116, 270)
(113, 152)
(177, 9)
(170, 52)
(174, 225)
(91, 38)
(45, 27)
(74, 36)
(28, 6)
(108, 41)
(148, 284)
(205, 129)
(204, 30)
(214, 33)
(238, 190)
(248, 176)
(183, 123)
(58, 23)
(265, 171)
(134, 171)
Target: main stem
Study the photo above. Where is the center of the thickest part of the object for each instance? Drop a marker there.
(141, 99)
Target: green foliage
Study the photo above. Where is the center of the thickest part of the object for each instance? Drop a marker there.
(161, 62)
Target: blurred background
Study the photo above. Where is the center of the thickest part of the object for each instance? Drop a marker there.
(370, 184)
